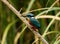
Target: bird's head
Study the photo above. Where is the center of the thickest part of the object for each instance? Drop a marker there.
(30, 15)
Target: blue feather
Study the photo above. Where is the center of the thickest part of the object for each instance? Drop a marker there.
(35, 22)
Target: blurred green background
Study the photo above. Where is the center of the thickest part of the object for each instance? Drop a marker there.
(27, 37)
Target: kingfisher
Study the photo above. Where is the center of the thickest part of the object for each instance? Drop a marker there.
(33, 22)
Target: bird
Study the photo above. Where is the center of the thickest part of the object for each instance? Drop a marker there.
(33, 22)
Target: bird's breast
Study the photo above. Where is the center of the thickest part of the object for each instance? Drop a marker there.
(33, 27)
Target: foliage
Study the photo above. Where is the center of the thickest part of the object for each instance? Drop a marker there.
(49, 27)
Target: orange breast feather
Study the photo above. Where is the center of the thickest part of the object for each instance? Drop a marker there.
(33, 27)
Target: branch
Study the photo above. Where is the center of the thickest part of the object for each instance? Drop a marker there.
(25, 21)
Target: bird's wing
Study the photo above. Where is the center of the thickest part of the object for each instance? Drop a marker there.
(35, 22)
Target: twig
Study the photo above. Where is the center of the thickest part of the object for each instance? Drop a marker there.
(18, 35)
(50, 24)
(48, 16)
(6, 32)
(35, 41)
(29, 6)
(47, 3)
(57, 41)
(54, 8)
(46, 11)
(36, 38)
(25, 21)
(53, 18)
(52, 32)
(53, 5)
(20, 10)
